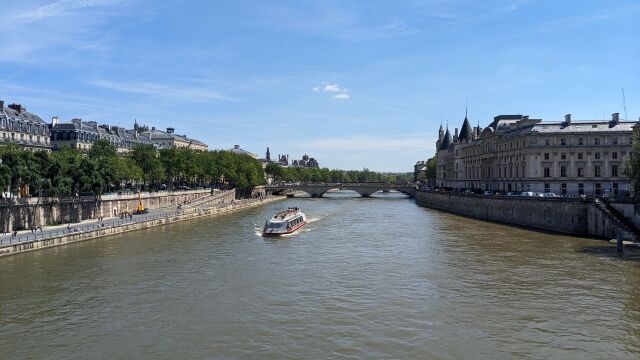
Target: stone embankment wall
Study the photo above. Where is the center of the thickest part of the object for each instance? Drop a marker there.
(16, 214)
(186, 214)
(569, 216)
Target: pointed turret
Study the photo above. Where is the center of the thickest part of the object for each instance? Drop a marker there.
(467, 132)
(446, 141)
(440, 133)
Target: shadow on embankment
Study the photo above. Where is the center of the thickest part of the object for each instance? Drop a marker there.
(629, 253)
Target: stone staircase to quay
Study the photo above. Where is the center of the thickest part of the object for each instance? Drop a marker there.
(617, 221)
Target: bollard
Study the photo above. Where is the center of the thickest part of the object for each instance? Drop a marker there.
(619, 242)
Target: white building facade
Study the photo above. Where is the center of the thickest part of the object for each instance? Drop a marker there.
(516, 153)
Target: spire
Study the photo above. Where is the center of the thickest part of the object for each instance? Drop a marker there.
(446, 142)
(466, 132)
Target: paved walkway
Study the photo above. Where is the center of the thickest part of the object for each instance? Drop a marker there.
(59, 230)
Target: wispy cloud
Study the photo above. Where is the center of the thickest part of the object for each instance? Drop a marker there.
(59, 31)
(175, 92)
(334, 89)
(61, 7)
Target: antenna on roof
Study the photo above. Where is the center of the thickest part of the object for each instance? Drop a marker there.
(624, 105)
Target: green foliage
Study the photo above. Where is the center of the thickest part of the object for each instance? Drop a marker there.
(632, 166)
(68, 172)
(431, 169)
(294, 174)
(146, 158)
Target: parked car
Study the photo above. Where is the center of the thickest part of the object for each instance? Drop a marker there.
(512, 194)
(487, 192)
(468, 191)
(550, 194)
(527, 193)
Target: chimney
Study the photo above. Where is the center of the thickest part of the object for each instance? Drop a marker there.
(1, 105)
(153, 128)
(54, 121)
(236, 146)
(567, 119)
(17, 107)
(456, 136)
(615, 117)
(170, 130)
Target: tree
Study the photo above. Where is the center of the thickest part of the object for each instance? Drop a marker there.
(145, 157)
(632, 166)
(431, 170)
(102, 149)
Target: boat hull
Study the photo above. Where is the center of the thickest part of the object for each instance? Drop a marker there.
(289, 231)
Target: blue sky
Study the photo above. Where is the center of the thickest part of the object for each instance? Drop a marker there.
(353, 83)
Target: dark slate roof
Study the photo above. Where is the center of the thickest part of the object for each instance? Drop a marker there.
(73, 126)
(446, 142)
(466, 133)
(22, 115)
(156, 134)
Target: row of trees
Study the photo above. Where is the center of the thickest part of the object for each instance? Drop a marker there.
(68, 171)
(294, 174)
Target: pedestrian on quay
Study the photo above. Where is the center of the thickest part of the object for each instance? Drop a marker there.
(15, 233)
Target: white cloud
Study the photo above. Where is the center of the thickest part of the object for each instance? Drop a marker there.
(332, 88)
(60, 7)
(339, 92)
(175, 92)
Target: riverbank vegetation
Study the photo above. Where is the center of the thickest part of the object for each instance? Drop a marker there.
(632, 167)
(295, 174)
(69, 172)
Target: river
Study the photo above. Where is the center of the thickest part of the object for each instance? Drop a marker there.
(367, 278)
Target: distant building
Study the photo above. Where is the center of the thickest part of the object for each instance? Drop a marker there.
(420, 171)
(516, 153)
(306, 161)
(20, 127)
(168, 139)
(283, 160)
(81, 135)
(237, 150)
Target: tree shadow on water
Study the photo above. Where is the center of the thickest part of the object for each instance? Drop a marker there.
(629, 253)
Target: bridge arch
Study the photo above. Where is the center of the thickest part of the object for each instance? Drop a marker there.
(320, 189)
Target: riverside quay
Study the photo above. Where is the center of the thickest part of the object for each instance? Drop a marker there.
(516, 153)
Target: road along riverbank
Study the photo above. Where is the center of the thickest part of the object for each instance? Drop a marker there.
(118, 226)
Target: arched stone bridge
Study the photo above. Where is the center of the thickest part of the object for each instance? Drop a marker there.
(319, 189)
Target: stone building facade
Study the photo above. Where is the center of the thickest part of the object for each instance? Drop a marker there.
(169, 139)
(515, 154)
(20, 127)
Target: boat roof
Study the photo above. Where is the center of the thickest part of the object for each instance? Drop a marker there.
(285, 215)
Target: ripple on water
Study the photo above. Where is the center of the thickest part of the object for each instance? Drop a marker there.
(366, 278)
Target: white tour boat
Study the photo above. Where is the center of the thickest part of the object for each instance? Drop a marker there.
(284, 222)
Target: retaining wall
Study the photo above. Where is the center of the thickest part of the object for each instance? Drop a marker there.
(19, 214)
(188, 214)
(569, 216)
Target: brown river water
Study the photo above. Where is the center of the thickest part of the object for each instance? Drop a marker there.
(367, 278)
